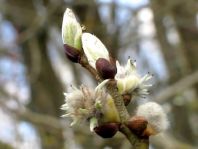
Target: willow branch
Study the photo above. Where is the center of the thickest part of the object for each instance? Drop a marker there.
(119, 103)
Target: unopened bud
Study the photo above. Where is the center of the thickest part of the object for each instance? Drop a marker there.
(94, 49)
(107, 130)
(138, 125)
(105, 69)
(71, 30)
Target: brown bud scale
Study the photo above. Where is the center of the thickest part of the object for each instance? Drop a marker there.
(107, 130)
(138, 125)
(72, 53)
(106, 69)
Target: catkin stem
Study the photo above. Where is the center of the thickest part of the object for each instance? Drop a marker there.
(119, 103)
(124, 116)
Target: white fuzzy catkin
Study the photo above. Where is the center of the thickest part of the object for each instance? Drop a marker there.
(79, 104)
(83, 103)
(155, 116)
(129, 81)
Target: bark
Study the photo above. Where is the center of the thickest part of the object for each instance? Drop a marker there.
(160, 11)
(46, 89)
(185, 14)
(178, 61)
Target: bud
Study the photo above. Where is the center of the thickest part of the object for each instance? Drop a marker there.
(94, 49)
(105, 69)
(107, 130)
(71, 35)
(138, 125)
(71, 30)
(156, 117)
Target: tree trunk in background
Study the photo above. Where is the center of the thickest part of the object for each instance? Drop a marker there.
(175, 64)
(46, 89)
(5, 146)
(185, 17)
(175, 56)
(160, 12)
(185, 14)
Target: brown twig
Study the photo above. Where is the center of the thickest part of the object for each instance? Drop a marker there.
(118, 100)
(84, 63)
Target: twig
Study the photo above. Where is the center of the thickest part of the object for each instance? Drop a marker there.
(176, 88)
(84, 63)
(118, 99)
(136, 142)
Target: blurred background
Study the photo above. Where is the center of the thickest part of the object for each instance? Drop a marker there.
(161, 35)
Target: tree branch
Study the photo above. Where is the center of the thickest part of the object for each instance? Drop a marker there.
(176, 88)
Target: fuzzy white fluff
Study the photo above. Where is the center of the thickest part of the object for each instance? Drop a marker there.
(155, 116)
(79, 104)
(129, 81)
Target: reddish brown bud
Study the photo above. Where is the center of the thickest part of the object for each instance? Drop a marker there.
(72, 53)
(106, 69)
(107, 130)
(126, 98)
(138, 125)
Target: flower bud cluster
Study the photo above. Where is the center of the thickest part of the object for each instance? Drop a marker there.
(97, 106)
(76, 43)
